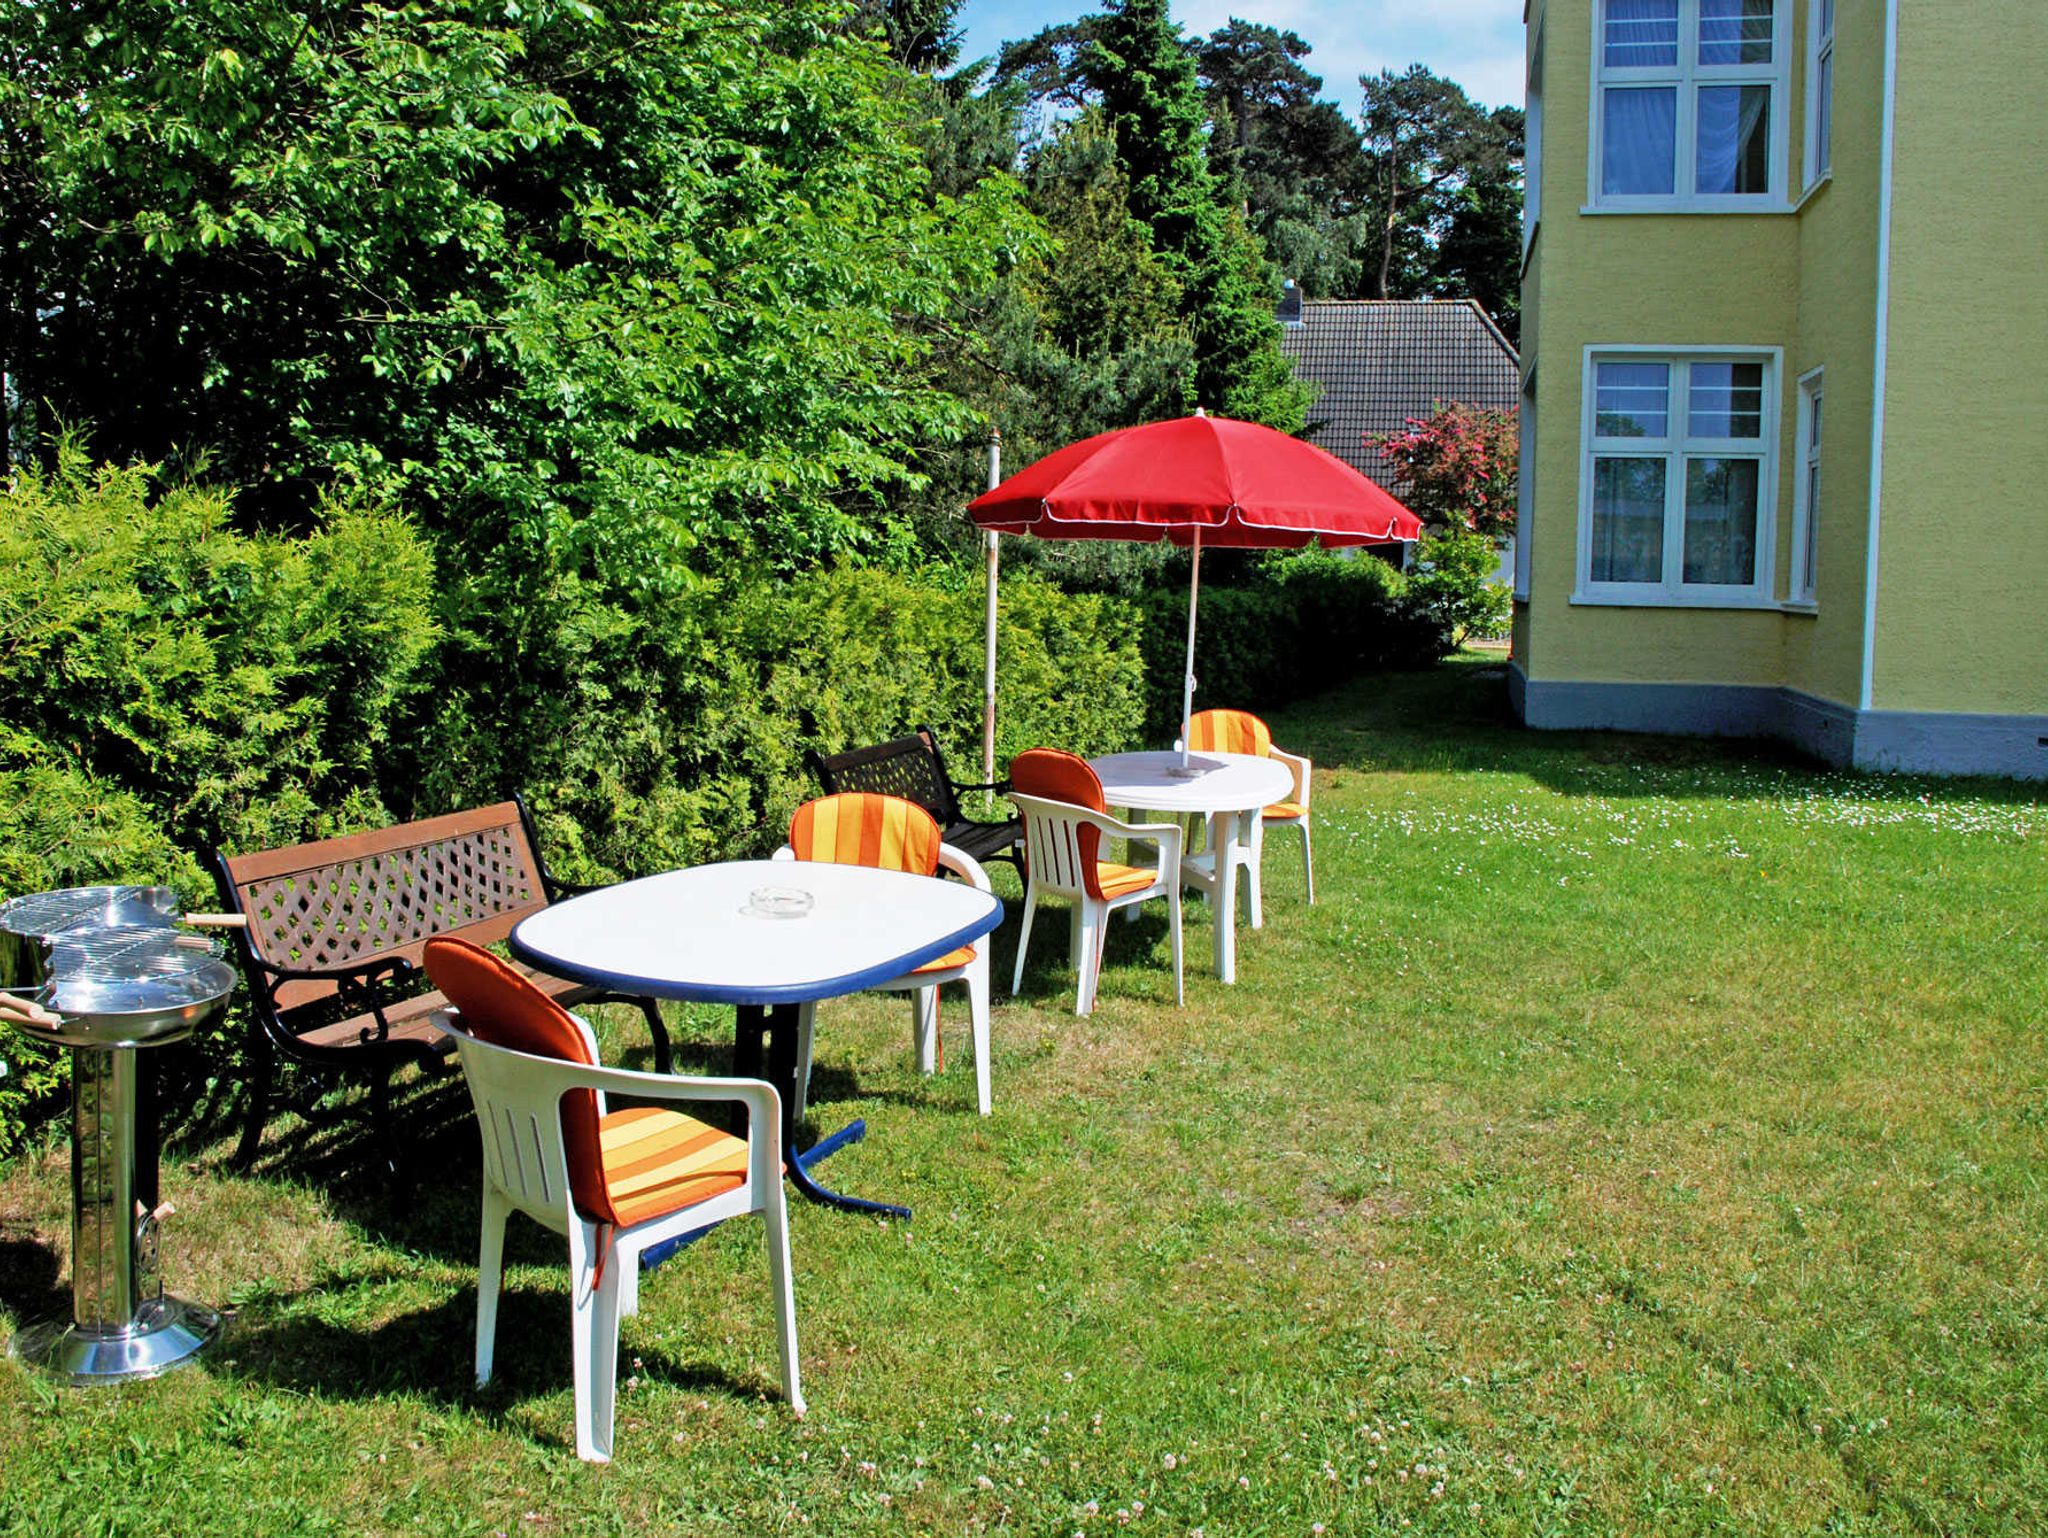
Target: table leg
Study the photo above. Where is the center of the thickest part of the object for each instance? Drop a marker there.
(778, 1025)
(1223, 837)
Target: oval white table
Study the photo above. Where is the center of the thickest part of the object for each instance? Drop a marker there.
(1229, 790)
(698, 934)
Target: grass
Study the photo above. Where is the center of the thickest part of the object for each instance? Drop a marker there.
(1637, 1136)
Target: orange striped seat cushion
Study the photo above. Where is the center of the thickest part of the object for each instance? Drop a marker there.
(958, 958)
(1117, 880)
(865, 828)
(1286, 809)
(658, 1161)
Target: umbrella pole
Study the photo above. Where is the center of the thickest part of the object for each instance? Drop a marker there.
(988, 672)
(1187, 698)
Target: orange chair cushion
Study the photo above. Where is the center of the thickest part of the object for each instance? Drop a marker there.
(1229, 731)
(657, 1161)
(1112, 880)
(1054, 775)
(501, 1007)
(862, 828)
(958, 958)
(1285, 809)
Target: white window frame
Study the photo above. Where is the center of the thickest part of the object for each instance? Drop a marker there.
(1820, 45)
(1525, 485)
(1801, 595)
(1673, 591)
(1686, 77)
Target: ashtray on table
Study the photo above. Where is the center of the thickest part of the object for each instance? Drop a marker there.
(778, 902)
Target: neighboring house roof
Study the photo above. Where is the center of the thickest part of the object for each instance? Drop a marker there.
(1382, 361)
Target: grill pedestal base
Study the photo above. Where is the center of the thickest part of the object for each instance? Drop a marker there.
(165, 1333)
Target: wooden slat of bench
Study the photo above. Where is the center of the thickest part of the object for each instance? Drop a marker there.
(412, 1019)
(368, 897)
(264, 864)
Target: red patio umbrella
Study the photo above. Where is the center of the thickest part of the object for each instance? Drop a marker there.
(1196, 480)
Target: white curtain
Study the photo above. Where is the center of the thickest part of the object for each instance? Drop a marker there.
(1734, 139)
(1637, 140)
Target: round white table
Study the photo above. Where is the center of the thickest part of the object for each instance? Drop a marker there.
(733, 934)
(1229, 790)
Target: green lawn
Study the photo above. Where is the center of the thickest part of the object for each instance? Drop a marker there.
(1636, 1136)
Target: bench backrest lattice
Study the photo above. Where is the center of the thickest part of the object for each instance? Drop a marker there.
(340, 902)
(907, 767)
(913, 768)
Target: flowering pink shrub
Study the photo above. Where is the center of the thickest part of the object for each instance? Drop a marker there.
(1456, 467)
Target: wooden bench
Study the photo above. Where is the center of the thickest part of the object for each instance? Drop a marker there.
(912, 767)
(332, 940)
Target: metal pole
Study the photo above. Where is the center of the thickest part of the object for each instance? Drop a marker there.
(988, 673)
(1187, 699)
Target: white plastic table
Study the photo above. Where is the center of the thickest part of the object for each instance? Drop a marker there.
(1228, 789)
(701, 934)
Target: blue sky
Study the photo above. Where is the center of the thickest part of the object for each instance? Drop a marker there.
(1477, 43)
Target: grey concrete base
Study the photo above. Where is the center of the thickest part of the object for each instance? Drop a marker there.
(1897, 741)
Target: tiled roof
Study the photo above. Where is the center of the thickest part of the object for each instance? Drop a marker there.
(1382, 361)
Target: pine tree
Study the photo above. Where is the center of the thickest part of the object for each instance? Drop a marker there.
(1150, 94)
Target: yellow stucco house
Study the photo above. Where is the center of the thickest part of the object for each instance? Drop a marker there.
(1785, 376)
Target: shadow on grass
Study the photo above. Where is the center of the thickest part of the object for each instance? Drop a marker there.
(29, 1286)
(430, 1353)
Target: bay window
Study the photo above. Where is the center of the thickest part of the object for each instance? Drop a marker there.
(1678, 477)
(1688, 108)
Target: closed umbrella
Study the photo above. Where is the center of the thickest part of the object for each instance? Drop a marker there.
(1196, 480)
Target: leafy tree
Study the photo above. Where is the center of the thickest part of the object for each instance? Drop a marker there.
(596, 288)
(1297, 156)
(1146, 78)
(1458, 468)
(922, 35)
(1480, 252)
(1425, 142)
(1051, 66)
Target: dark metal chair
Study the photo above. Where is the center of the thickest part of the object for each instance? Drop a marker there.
(912, 767)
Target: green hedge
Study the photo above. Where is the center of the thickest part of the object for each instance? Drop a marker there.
(1278, 628)
(694, 722)
(168, 685)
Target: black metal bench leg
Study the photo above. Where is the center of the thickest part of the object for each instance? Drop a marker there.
(262, 1069)
(383, 1127)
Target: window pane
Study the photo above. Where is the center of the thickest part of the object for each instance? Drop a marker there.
(1725, 400)
(1735, 139)
(1628, 520)
(1641, 34)
(1824, 114)
(1813, 438)
(1632, 400)
(1637, 139)
(1827, 18)
(1808, 564)
(1720, 521)
(1735, 31)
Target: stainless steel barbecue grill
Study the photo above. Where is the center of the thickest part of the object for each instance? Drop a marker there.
(113, 964)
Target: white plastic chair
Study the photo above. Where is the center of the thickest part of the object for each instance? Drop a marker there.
(518, 1100)
(1062, 840)
(1291, 813)
(1239, 731)
(889, 833)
